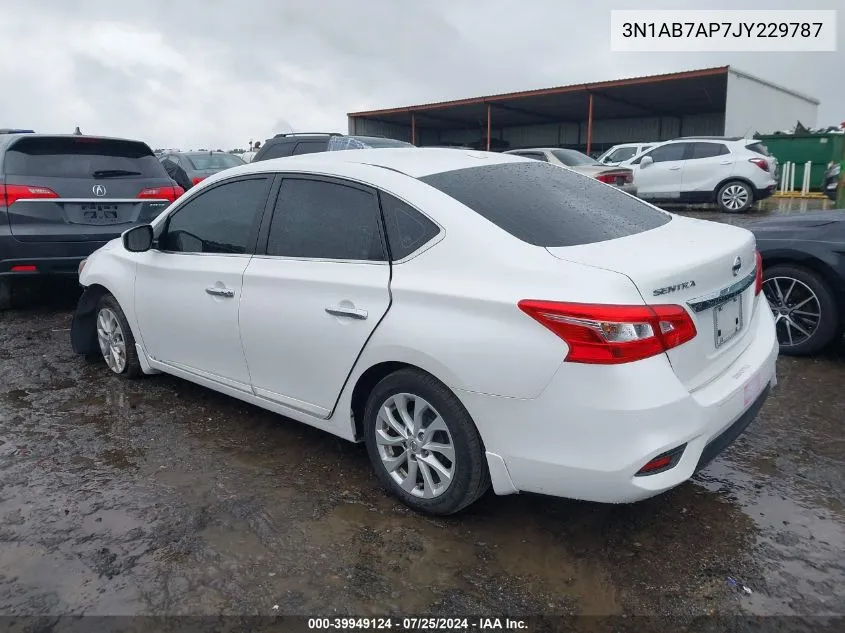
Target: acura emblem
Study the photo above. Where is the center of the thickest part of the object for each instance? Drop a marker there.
(99, 190)
(737, 266)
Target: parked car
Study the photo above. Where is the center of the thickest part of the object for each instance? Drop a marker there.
(202, 164)
(731, 172)
(830, 183)
(474, 318)
(294, 144)
(621, 177)
(804, 278)
(63, 197)
(622, 152)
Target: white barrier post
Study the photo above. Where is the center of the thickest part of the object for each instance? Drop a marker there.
(808, 168)
(784, 170)
(792, 178)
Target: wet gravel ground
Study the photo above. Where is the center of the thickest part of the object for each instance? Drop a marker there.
(160, 497)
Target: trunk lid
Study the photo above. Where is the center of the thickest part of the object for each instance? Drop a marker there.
(691, 263)
(93, 186)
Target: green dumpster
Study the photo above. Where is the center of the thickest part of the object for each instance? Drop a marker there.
(820, 149)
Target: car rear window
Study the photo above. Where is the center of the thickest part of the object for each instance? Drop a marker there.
(545, 205)
(214, 161)
(84, 157)
(759, 148)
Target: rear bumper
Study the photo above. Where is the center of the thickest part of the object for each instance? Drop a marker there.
(594, 427)
(44, 267)
(51, 259)
(765, 192)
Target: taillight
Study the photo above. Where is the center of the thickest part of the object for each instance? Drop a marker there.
(159, 193)
(13, 193)
(612, 177)
(612, 334)
(758, 278)
(198, 179)
(762, 163)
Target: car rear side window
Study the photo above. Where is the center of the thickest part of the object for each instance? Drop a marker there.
(310, 147)
(317, 219)
(81, 157)
(408, 230)
(708, 150)
(223, 219)
(548, 206)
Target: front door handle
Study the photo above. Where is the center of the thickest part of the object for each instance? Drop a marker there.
(674, 168)
(352, 313)
(220, 292)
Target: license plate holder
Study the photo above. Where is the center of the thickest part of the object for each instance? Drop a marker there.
(727, 321)
(98, 214)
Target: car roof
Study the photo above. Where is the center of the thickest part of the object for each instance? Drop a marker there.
(10, 139)
(416, 162)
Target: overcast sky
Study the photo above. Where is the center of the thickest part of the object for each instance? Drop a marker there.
(216, 73)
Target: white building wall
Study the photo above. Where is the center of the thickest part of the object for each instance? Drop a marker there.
(755, 105)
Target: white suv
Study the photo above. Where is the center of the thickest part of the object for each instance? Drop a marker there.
(733, 173)
(623, 152)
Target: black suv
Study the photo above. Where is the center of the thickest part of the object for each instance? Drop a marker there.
(63, 197)
(309, 143)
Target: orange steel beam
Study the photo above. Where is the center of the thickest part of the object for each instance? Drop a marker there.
(635, 81)
(590, 124)
(488, 127)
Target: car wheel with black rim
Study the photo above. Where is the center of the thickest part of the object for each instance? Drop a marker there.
(806, 313)
(735, 197)
(423, 445)
(114, 337)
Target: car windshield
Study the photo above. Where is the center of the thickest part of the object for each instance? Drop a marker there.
(623, 153)
(214, 160)
(545, 205)
(81, 157)
(337, 143)
(572, 158)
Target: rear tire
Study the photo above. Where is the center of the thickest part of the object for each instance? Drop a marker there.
(423, 444)
(801, 299)
(117, 345)
(5, 294)
(735, 196)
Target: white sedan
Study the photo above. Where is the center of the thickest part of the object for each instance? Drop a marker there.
(476, 319)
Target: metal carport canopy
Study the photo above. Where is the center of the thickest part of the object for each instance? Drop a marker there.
(674, 94)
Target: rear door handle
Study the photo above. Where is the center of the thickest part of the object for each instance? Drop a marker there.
(352, 313)
(674, 168)
(220, 292)
(727, 162)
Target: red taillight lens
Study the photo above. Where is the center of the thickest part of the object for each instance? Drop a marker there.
(758, 280)
(612, 334)
(24, 269)
(13, 193)
(198, 179)
(612, 177)
(161, 193)
(760, 162)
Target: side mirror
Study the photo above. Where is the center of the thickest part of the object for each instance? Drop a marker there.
(138, 239)
(645, 161)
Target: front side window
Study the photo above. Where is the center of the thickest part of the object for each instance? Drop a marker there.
(220, 220)
(666, 153)
(317, 219)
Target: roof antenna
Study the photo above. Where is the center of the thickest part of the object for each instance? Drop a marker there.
(77, 131)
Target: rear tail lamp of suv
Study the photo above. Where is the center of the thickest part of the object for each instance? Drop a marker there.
(161, 193)
(10, 194)
(762, 163)
(613, 334)
(614, 177)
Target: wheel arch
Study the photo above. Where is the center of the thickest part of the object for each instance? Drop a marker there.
(83, 335)
(741, 179)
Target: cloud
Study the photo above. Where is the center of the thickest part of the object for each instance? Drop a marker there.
(217, 73)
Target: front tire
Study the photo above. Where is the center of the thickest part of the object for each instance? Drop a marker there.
(806, 314)
(423, 444)
(735, 197)
(114, 337)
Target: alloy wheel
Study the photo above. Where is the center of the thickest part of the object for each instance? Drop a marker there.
(415, 446)
(111, 339)
(735, 197)
(796, 309)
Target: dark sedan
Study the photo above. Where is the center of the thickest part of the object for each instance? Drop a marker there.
(201, 165)
(804, 278)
